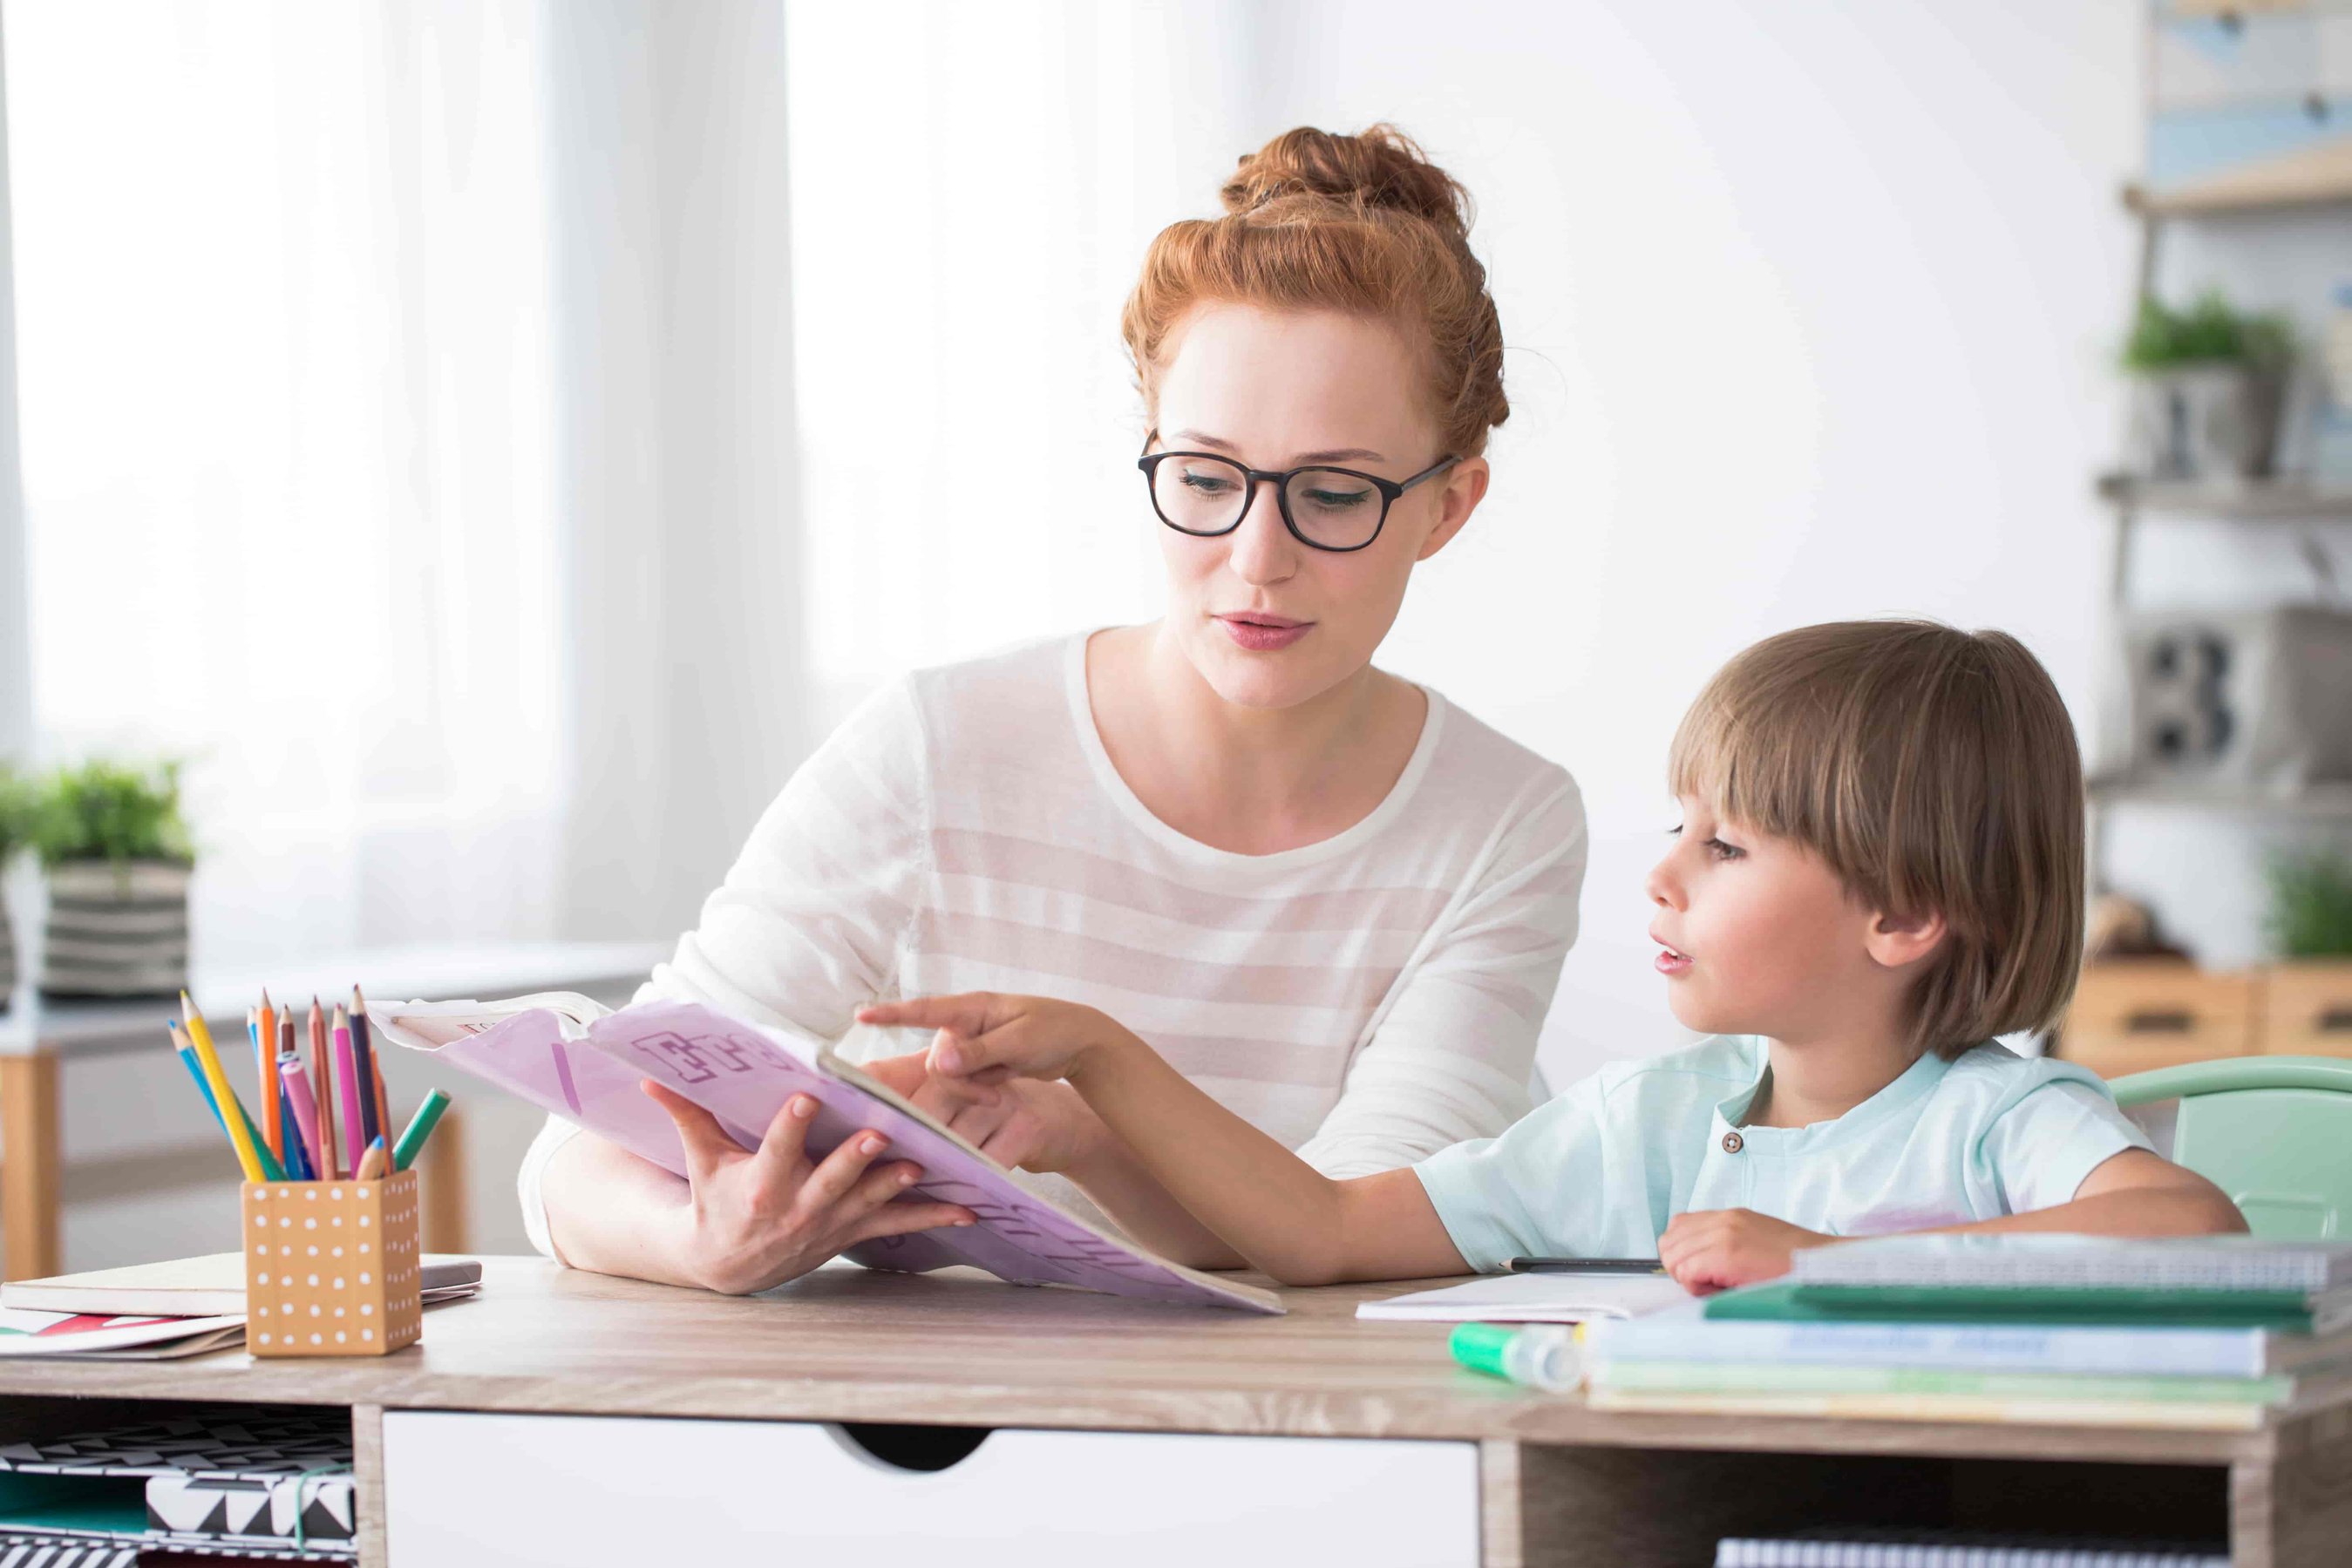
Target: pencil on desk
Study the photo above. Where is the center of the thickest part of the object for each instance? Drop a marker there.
(290, 1068)
(265, 1062)
(188, 1053)
(302, 1110)
(240, 1133)
(347, 1084)
(371, 1117)
(323, 1090)
(420, 1127)
(253, 1043)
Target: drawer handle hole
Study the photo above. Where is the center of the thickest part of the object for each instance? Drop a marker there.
(902, 1446)
(2154, 1022)
(2336, 1020)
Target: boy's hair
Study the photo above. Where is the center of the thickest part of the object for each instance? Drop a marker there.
(1935, 770)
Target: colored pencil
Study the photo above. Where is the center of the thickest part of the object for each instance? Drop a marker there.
(265, 1061)
(322, 1092)
(248, 1156)
(304, 1110)
(420, 1127)
(376, 1067)
(188, 1053)
(188, 1049)
(371, 1117)
(372, 1163)
(347, 1085)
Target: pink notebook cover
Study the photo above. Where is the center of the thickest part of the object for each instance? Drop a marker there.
(587, 1073)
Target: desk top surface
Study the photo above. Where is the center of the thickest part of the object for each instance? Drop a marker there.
(960, 1348)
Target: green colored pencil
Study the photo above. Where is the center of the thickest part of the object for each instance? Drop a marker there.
(420, 1127)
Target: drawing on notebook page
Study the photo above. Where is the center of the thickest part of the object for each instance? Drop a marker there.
(567, 1055)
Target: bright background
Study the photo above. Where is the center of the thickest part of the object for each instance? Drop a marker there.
(496, 440)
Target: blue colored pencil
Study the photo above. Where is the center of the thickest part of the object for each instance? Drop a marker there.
(188, 1060)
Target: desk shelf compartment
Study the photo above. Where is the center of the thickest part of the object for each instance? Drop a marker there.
(203, 1482)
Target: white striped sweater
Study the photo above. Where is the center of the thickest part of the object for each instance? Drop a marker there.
(1367, 1000)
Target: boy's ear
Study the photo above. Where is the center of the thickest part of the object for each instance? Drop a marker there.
(1897, 941)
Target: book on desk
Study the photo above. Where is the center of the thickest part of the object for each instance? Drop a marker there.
(582, 1061)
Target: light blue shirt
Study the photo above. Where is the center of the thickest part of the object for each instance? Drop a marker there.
(1599, 1171)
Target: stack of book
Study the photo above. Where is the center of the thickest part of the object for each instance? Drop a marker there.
(2207, 1332)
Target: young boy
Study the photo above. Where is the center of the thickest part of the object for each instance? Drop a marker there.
(1879, 869)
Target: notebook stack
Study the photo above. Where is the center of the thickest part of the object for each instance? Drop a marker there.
(1943, 1549)
(2206, 1332)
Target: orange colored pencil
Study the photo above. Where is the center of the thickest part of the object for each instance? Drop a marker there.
(322, 1090)
(266, 1059)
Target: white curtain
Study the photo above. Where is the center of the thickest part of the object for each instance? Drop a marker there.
(285, 377)
(406, 424)
(409, 420)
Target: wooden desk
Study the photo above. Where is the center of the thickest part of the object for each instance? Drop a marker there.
(42, 1037)
(1556, 1482)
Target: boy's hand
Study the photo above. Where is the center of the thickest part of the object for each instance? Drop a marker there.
(988, 1038)
(1712, 1249)
(1024, 1123)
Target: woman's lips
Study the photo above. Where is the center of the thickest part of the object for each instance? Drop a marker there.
(1264, 634)
(1672, 963)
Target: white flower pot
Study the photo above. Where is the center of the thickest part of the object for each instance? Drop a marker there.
(116, 929)
(2212, 422)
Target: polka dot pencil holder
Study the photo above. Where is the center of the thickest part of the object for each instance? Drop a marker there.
(332, 1268)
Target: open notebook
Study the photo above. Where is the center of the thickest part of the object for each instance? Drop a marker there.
(572, 1056)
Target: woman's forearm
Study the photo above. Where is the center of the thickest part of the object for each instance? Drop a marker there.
(612, 1213)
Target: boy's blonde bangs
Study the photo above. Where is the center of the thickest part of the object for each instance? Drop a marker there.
(1933, 769)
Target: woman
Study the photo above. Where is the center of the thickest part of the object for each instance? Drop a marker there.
(1333, 901)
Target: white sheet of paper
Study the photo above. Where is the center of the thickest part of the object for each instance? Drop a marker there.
(1532, 1299)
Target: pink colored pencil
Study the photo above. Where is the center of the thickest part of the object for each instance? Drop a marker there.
(306, 1110)
(347, 1079)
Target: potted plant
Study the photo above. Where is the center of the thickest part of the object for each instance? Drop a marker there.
(2208, 388)
(2310, 1004)
(117, 858)
(15, 828)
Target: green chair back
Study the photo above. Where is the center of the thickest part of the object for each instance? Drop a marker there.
(2273, 1132)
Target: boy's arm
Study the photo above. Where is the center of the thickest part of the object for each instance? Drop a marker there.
(1281, 1215)
(2131, 1193)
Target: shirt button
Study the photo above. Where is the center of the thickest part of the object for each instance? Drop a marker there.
(1733, 1143)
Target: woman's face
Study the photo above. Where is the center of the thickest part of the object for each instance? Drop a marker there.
(1267, 621)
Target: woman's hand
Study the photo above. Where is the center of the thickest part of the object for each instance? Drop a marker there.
(758, 1217)
(1712, 1249)
(1022, 1124)
(986, 1039)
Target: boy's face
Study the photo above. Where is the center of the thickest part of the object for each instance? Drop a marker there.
(1761, 936)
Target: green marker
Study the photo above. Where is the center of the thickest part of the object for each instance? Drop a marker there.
(420, 1127)
(1543, 1355)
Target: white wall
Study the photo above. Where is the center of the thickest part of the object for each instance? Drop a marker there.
(1810, 310)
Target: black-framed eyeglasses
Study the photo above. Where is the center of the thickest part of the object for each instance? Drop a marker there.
(1337, 509)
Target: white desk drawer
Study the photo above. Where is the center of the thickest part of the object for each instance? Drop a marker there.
(464, 1488)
